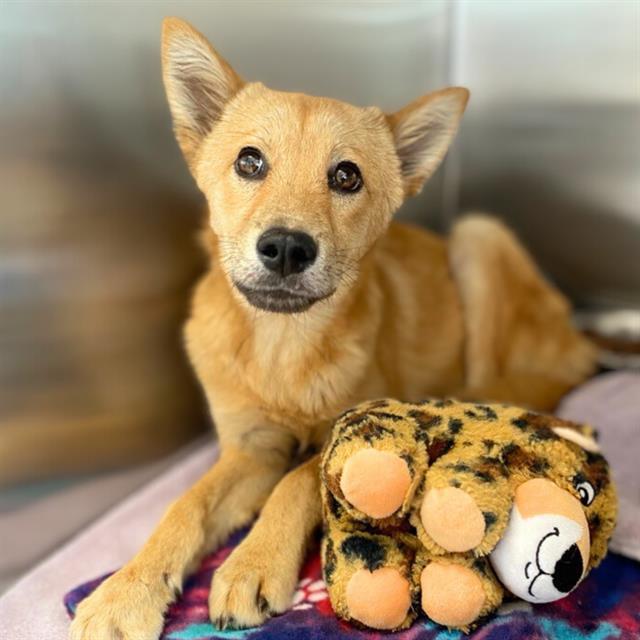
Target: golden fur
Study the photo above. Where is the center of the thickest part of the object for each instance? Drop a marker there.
(399, 312)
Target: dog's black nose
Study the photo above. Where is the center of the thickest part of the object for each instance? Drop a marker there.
(568, 570)
(285, 251)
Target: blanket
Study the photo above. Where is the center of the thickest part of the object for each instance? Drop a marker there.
(605, 606)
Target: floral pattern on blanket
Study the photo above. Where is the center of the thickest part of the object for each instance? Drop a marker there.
(605, 606)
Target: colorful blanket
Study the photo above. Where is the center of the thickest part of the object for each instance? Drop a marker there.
(605, 606)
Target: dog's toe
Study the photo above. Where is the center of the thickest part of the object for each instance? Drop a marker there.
(250, 587)
(121, 608)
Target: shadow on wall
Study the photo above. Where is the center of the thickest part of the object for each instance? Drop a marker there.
(97, 260)
(565, 177)
(583, 248)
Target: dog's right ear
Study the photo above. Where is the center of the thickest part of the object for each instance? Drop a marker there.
(423, 131)
(198, 82)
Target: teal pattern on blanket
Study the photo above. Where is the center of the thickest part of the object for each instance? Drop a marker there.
(606, 606)
(197, 631)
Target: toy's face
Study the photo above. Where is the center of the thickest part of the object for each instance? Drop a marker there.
(558, 526)
(545, 550)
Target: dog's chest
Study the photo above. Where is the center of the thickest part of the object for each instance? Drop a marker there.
(303, 373)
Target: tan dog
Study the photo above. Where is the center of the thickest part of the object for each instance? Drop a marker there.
(313, 302)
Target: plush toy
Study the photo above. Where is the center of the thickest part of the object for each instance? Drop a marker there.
(448, 506)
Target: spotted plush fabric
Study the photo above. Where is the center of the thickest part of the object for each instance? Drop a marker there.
(604, 607)
(473, 455)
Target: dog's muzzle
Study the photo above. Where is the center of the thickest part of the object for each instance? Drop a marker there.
(285, 254)
(278, 300)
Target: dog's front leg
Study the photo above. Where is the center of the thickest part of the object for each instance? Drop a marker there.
(131, 603)
(260, 576)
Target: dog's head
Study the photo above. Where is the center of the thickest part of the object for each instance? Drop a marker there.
(299, 187)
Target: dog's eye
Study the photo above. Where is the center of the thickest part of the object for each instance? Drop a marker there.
(586, 492)
(345, 176)
(250, 163)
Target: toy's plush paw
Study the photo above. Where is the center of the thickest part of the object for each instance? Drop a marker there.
(375, 482)
(452, 595)
(456, 590)
(465, 506)
(452, 518)
(379, 599)
(375, 463)
(369, 578)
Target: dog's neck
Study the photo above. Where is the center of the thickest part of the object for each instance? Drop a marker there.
(302, 365)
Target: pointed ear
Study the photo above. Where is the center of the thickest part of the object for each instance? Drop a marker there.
(198, 83)
(423, 131)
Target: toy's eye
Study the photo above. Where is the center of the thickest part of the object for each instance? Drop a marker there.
(586, 492)
(250, 163)
(345, 177)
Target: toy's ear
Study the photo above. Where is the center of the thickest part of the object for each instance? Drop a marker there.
(423, 131)
(584, 437)
(198, 83)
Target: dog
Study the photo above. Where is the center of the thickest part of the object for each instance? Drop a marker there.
(314, 301)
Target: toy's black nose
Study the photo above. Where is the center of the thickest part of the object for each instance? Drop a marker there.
(568, 570)
(285, 251)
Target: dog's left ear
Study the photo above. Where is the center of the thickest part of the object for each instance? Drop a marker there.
(423, 131)
(198, 81)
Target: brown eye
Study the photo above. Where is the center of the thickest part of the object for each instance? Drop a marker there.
(346, 177)
(250, 163)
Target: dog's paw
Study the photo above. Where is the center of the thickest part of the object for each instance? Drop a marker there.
(121, 608)
(253, 584)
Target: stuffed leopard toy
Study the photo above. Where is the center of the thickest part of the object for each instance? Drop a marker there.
(447, 506)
